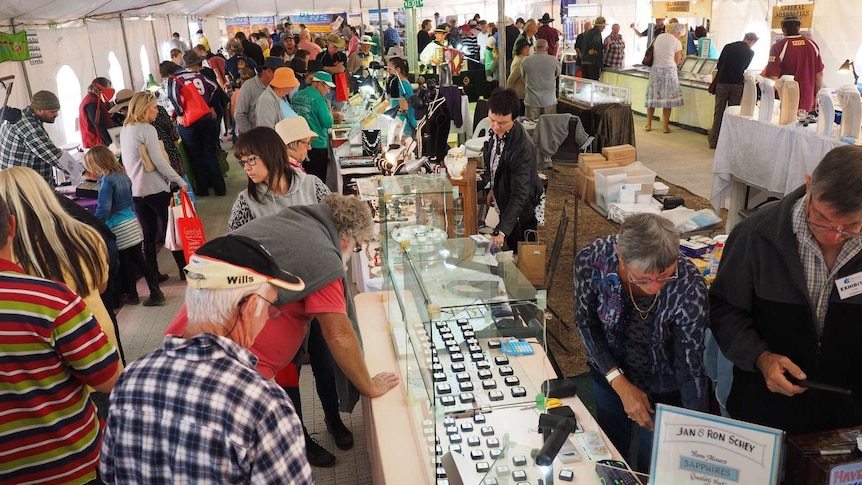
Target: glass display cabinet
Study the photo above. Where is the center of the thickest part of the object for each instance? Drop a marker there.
(588, 93)
(468, 334)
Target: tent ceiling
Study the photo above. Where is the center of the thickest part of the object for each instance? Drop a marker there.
(60, 10)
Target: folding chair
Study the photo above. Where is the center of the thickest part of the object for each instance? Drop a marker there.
(552, 268)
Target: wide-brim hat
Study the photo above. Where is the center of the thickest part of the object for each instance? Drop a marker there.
(284, 78)
(324, 77)
(395, 51)
(599, 22)
(232, 261)
(293, 129)
(546, 19)
(366, 39)
(335, 40)
(121, 99)
(442, 28)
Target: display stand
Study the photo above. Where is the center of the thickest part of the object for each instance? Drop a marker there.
(467, 188)
(392, 446)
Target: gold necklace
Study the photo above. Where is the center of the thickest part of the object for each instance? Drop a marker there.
(643, 313)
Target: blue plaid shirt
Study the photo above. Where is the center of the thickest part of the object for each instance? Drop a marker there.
(197, 411)
(27, 144)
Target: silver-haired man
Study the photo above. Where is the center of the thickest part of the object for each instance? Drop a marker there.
(197, 410)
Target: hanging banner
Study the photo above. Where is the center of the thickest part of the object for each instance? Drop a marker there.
(317, 23)
(682, 9)
(805, 12)
(697, 448)
(248, 25)
(13, 47)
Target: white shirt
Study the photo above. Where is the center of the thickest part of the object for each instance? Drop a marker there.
(664, 48)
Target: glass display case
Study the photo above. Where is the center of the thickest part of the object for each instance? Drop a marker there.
(468, 334)
(588, 93)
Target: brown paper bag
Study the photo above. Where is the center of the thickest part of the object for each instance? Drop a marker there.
(531, 258)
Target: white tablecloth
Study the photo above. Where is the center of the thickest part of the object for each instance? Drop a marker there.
(764, 155)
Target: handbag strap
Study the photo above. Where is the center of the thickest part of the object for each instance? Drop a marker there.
(188, 207)
(533, 232)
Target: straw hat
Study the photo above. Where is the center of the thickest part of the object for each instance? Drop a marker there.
(293, 129)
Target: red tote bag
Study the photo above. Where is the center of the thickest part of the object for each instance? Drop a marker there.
(190, 227)
(342, 92)
(193, 103)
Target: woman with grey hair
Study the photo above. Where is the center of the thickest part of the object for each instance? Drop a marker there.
(641, 310)
(663, 89)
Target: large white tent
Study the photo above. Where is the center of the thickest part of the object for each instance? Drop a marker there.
(121, 39)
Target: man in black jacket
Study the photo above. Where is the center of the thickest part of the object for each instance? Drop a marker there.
(510, 155)
(788, 299)
(250, 49)
(734, 60)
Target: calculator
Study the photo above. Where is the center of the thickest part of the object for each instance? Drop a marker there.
(516, 347)
(615, 472)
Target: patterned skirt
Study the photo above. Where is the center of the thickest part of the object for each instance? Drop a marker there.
(663, 88)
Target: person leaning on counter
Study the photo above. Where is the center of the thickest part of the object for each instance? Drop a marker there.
(642, 311)
(788, 299)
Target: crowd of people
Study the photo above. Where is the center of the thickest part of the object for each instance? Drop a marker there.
(272, 290)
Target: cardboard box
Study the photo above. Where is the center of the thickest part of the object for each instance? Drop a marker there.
(588, 167)
(625, 161)
(619, 152)
(585, 186)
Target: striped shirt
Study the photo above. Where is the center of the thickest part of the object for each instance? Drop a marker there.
(50, 347)
(198, 411)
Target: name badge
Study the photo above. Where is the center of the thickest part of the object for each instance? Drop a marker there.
(849, 285)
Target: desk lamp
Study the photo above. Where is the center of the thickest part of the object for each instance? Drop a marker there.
(848, 66)
(152, 85)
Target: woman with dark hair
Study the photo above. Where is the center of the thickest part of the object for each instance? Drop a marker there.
(93, 116)
(403, 91)
(273, 183)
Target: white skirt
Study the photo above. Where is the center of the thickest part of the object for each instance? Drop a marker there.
(663, 89)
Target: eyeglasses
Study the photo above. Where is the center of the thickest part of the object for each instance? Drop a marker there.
(823, 227)
(274, 310)
(646, 281)
(250, 161)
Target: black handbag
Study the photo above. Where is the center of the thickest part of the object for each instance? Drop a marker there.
(647, 61)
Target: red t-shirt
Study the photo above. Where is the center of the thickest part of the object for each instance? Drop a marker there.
(280, 339)
(799, 56)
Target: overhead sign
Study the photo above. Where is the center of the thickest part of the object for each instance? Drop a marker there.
(682, 9)
(690, 447)
(413, 4)
(588, 10)
(317, 23)
(805, 11)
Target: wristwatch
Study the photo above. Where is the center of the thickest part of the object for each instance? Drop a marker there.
(610, 376)
(498, 233)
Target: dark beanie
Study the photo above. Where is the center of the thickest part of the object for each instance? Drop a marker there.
(45, 100)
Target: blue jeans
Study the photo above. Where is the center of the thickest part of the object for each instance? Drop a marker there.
(201, 142)
(612, 418)
(323, 367)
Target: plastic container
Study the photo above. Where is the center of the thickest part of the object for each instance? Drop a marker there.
(715, 257)
(609, 181)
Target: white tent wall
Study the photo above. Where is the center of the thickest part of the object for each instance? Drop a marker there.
(143, 50)
(106, 37)
(66, 46)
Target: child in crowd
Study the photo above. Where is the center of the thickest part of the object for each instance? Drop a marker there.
(115, 209)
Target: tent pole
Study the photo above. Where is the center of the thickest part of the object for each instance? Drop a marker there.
(380, 21)
(155, 43)
(23, 68)
(501, 46)
(126, 45)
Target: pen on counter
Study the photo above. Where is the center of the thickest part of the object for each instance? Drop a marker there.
(827, 452)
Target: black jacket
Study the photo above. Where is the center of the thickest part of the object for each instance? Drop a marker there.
(252, 50)
(517, 188)
(760, 301)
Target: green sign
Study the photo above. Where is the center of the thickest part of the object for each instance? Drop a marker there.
(13, 47)
(413, 3)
